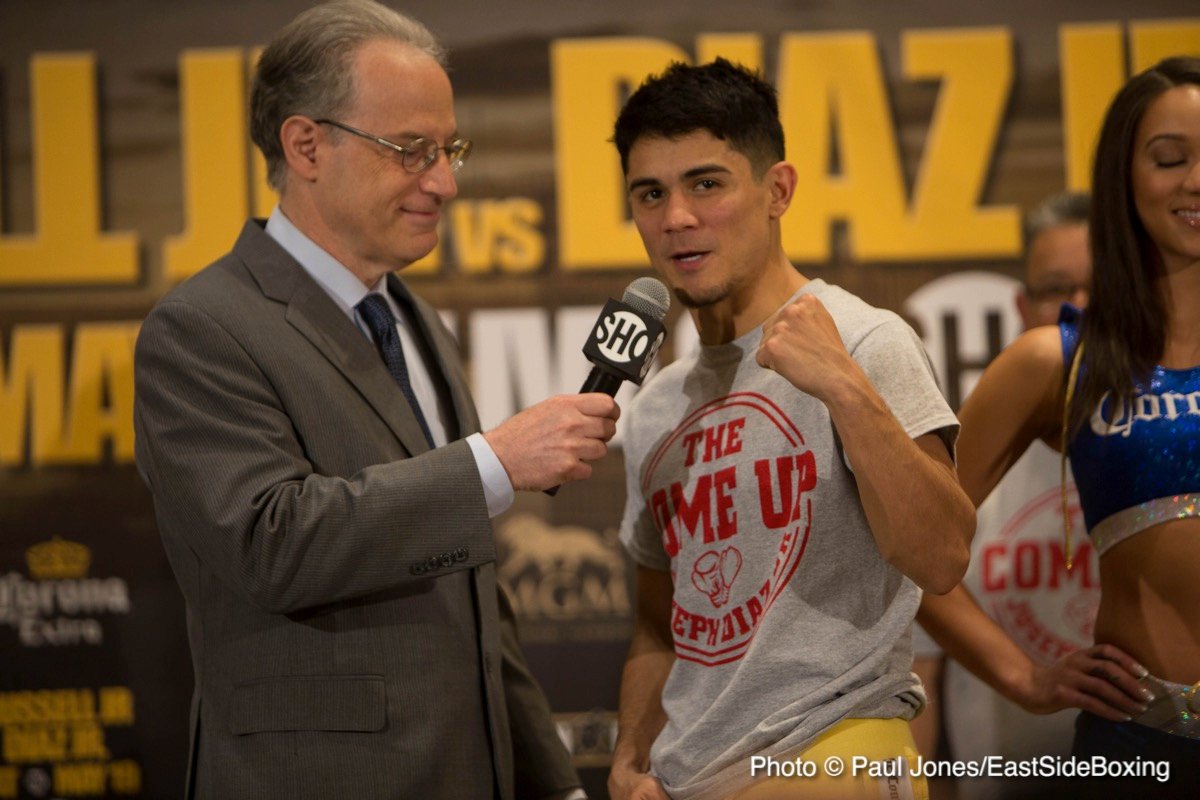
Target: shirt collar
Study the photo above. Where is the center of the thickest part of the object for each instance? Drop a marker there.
(337, 281)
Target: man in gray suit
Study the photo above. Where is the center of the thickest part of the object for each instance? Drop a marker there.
(319, 480)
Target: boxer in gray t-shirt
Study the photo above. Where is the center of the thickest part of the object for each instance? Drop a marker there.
(791, 485)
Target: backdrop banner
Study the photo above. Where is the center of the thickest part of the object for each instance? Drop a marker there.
(919, 130)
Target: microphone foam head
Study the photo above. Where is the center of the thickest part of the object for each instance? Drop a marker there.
(649, 296)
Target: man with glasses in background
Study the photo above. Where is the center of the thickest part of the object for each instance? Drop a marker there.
(319, 479)
(1017, 612)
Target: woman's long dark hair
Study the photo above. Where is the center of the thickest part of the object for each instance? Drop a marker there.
(1124, 329)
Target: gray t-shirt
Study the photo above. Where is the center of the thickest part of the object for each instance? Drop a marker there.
(785, 618)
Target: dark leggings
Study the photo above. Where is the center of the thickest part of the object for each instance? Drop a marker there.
(1131, 743)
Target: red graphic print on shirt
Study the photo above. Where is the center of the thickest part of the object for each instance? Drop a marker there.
(714, 573)
(1025, 586)
(730, 491)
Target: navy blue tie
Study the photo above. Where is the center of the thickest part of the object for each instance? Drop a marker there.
(382, 323)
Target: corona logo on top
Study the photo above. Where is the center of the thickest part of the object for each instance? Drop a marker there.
(58, 604)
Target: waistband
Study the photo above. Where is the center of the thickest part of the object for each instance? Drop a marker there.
(878, 740)
(1175, 709)
(1116, 528)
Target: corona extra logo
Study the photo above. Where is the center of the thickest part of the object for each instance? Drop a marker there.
(58, 559)
(59, 604)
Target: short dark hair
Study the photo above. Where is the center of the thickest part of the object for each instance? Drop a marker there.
(1125, 324)
(727, 100)
(306, 70)
(1056, 211)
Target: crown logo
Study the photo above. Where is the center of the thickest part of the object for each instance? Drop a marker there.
(58, 559)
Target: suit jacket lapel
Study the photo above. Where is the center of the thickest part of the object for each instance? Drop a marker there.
(311, 312)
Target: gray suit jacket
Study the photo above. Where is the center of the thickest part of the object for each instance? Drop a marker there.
(347, 631)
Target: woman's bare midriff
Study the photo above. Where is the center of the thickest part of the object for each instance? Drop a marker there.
(1150, 599)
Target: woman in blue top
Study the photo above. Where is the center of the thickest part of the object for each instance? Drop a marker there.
(1122, 390)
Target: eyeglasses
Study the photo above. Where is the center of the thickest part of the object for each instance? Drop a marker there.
(418, 155)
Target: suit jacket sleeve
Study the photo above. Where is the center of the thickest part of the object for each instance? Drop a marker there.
(277, 485)
(541, 762)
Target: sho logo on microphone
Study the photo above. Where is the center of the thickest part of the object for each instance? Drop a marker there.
(624, 342)
(621, 336)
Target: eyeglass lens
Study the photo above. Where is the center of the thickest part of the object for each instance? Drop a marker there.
(420, 155)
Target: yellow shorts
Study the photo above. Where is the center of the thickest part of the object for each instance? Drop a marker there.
(879, 741)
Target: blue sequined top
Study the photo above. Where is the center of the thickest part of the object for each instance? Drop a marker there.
(1138, 466)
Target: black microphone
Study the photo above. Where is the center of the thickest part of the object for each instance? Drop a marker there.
(625, 339)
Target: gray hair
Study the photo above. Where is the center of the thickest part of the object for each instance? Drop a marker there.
(1057, 210)
(306, 68)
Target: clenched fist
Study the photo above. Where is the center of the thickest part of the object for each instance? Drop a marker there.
(802, 343)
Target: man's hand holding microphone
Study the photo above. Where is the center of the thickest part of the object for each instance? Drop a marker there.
(554, 441)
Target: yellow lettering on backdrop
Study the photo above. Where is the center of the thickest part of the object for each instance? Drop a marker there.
(125, 777)
(212, 86)
(87, 741)
(98, 403)
(740, 48)
(520, 246)
(589, 81)
(471, 225)
(26, 743)
(432, 262)
(31, 393)
(827, 81)
(1150, 41)
(116, 706)
(975, 68)
(8, 782)
(101, 369)
(80, 779)
(67, 245)
(504, 234)
(1092, 69)
(497, 233)
(263, 197)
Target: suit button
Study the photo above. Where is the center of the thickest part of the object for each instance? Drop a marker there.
(417, 569)
(432, 563)
(461, 554)
(447, 559)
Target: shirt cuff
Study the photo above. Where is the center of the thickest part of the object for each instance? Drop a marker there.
(497, 488)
